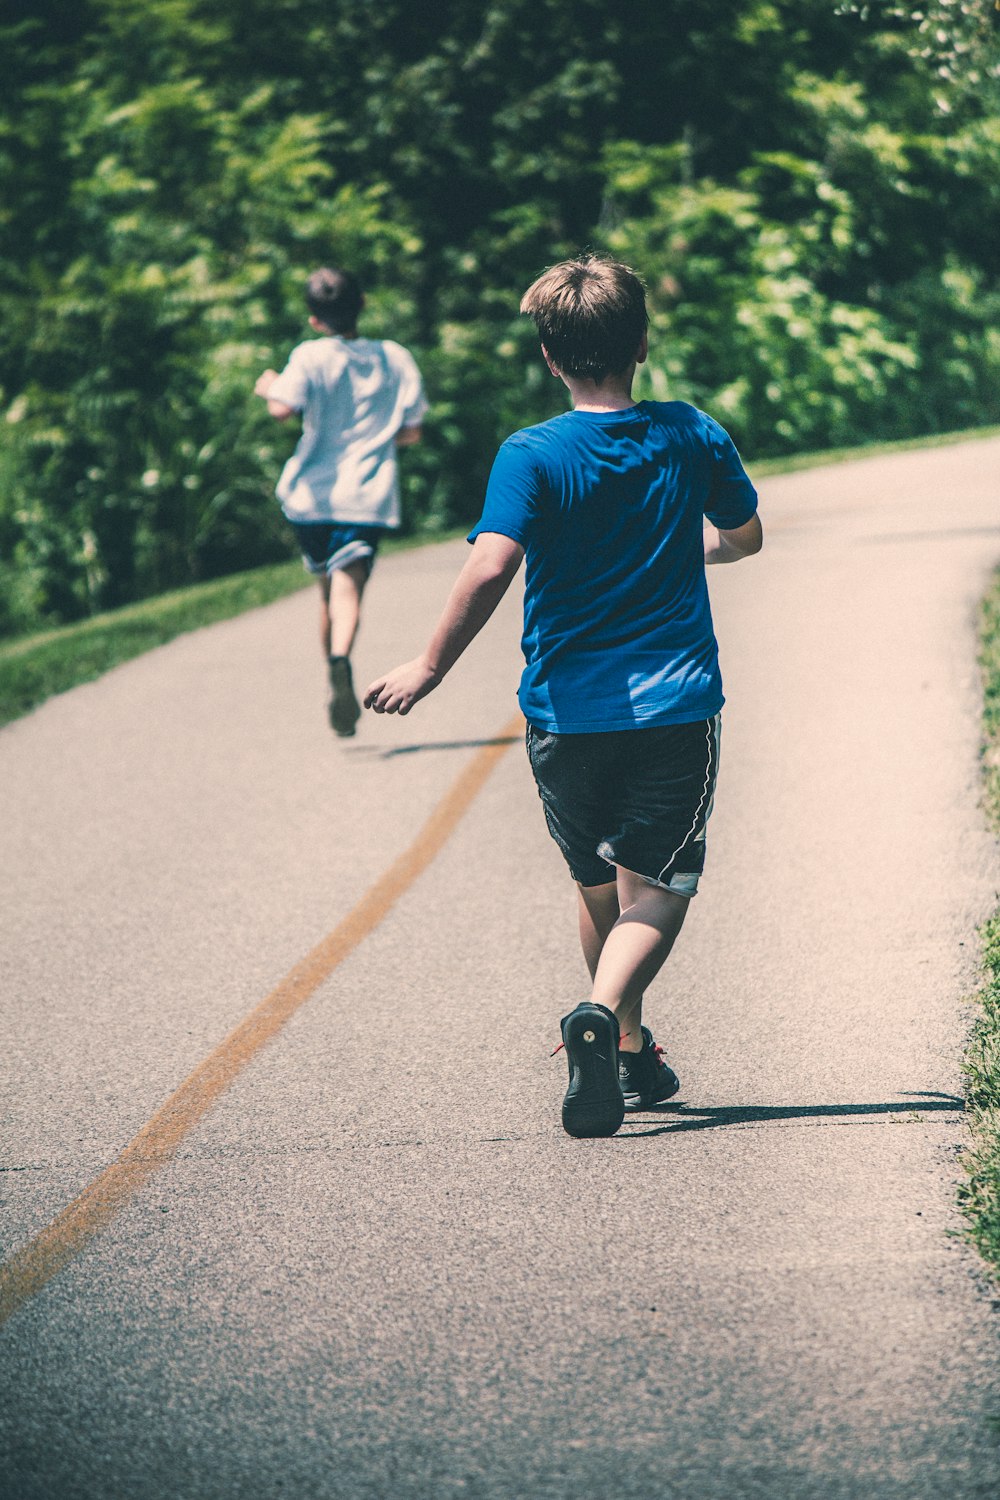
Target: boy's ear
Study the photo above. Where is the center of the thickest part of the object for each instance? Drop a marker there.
(642, 352)
(553, 367)
(316, 325)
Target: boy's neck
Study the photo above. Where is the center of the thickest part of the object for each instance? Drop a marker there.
(607, 395)
(613, 393)
(604, 404)
(325, 331)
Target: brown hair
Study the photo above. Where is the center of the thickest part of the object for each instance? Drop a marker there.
(590, 314)
(335, 298)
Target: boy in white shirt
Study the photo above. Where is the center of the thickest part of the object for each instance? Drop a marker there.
(360, 399)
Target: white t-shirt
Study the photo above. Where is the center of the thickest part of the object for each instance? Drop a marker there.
(354, 396)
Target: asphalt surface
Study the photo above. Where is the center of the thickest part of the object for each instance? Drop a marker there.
(377, 1267)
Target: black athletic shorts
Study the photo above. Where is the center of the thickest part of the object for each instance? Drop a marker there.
(634, 797)
(329, 545)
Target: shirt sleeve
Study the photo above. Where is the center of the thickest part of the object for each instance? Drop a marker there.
(512, 494)
(732, 499)
(411, 391)
(292, 385)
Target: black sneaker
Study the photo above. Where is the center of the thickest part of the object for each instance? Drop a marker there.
(593, 1105)
(345, 710)
(644, 1076)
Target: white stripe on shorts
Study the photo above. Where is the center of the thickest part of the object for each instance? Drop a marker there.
(713, 731)
(350, 552)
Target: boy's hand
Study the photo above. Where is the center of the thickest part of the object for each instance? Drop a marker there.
(398, 690)
(477, 591)
(265, 382)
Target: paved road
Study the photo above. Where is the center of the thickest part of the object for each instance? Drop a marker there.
(377, 1267)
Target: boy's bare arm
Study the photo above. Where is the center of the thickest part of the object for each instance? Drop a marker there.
(478, 590)
(276, 408)
(733, 546)
(407, 436)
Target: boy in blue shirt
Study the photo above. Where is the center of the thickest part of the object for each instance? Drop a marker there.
(621, 687)
(360, 399)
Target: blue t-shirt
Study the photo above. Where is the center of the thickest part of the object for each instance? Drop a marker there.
(608, 507)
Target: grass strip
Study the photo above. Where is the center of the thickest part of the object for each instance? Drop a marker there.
(791, 465)
(37, 666)
(33, 668)
(979, 1194)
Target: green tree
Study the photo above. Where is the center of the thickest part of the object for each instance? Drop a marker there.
(808, 189)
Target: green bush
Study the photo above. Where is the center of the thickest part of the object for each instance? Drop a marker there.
(807, 189)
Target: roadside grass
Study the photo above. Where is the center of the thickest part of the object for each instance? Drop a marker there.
(35, 667)
(979, 1194)
(790, 465)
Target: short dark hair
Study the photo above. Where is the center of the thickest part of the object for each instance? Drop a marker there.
(335, 298)
(590, 314)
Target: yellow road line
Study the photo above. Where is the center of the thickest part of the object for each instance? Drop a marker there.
(70, 1232)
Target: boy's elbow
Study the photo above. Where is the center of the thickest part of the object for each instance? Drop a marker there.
(496, 573)
(749, 539)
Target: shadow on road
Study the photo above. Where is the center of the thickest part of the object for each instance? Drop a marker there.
(690, 1117)
(508, 739)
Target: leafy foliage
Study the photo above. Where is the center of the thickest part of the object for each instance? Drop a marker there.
(807, 191)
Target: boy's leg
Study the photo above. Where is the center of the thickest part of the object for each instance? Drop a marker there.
(340, 558)
(344, 590)
(324, 614)
(627, 929)
(598, 911)
(635, 948)
(345, 585)
(342, 605)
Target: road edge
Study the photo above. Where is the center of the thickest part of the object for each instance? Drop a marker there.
(979, 1193)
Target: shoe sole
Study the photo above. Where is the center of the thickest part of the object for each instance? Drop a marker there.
(593, 1105)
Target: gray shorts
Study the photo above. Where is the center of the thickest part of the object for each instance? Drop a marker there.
(640, 798)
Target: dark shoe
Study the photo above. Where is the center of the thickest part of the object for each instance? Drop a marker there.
(593, 1105)
(644, 1076)
(345, 710)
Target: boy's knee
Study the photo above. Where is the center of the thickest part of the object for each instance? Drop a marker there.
(352, 577)
(640, 891)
